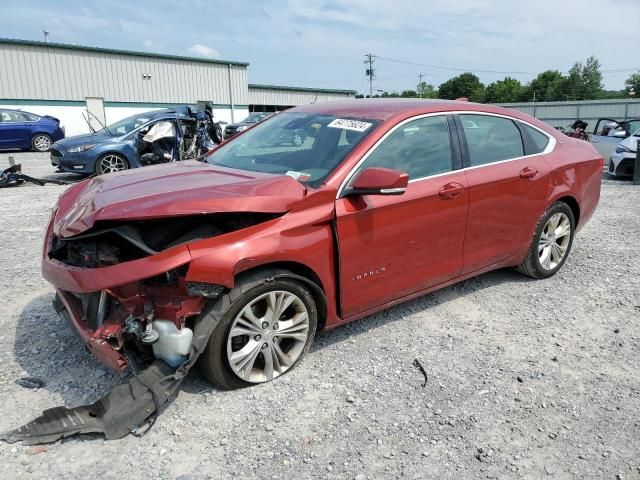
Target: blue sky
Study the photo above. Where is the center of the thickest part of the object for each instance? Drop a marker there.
(321, 43)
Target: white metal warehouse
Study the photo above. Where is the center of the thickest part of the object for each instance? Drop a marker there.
(67, 80)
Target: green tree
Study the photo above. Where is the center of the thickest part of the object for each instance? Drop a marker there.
(584, 81)
(426, 90)
(547, 87)
(464, 85)
(504, 91)
(633, 82)
(591, 79)
(409, 94)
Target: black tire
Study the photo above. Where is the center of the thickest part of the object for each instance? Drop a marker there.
(213, 362)
(41, 142)
(531, 265)
(298, 138)
(101, 168)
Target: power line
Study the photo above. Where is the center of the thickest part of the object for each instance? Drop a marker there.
(460, 69)
(457, 69)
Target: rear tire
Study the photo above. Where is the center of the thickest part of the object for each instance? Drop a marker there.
(551, 242)
(272, 350)
(41, 142)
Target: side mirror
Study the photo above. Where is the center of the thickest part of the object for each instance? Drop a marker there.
(379, 181)
(620, 134)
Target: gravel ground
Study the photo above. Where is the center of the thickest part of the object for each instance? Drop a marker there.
(526, 379)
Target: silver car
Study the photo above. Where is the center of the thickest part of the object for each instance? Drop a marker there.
(622, 160)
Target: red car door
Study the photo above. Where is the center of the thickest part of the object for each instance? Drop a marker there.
(508, 185)
(393, 246)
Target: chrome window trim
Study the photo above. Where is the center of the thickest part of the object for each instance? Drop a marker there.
(549, 148)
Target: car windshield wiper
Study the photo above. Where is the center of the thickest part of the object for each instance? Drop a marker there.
(104, 127)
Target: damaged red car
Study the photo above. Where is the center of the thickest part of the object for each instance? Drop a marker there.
(239, 260)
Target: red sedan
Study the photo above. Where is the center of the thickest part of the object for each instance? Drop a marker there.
(239, 260)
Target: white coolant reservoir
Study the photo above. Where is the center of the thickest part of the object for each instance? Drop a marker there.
(174, 344)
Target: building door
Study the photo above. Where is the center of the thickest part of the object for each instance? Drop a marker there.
(95, 112)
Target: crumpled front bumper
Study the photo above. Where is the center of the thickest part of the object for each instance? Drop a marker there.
(95, 340)
(123, 283)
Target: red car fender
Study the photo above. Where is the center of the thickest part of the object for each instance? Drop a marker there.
(302, 239)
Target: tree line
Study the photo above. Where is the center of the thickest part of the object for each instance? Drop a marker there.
(583, 82)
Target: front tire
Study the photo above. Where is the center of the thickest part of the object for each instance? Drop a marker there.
(551, 243)
(110, 163)
(41, 142)
(264, 333)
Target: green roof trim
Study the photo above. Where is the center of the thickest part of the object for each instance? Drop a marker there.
(258, 86)
(34, 43)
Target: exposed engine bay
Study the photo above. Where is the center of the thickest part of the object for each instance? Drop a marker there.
(113, 242)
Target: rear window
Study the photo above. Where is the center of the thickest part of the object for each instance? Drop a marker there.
(538, 141)
(491, 139)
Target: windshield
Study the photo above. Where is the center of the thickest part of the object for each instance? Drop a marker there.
(128, 124)
(304, 146)
(255, 117)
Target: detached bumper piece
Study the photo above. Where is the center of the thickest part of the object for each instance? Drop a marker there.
(115, 415)
(13, 177)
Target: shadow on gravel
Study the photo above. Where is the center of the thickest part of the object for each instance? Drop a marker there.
(67, 177)
(425, 302)
(46, 346)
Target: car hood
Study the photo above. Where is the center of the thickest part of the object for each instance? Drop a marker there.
(180, 188)
(241, 124)
(84, 139)
(631, 142)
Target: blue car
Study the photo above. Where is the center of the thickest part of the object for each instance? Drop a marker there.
(27, 131)
(151, 137)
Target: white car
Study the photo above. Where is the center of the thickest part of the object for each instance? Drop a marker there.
(622, 161)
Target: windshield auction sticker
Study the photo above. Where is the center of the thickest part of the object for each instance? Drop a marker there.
(346, 124)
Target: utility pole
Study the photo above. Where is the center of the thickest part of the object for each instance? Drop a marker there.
(420, 77)
(370, 72)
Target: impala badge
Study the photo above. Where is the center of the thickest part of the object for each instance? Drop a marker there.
(370, 273)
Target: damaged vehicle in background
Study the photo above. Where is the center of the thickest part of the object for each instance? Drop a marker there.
(238, 261)
(159, 136)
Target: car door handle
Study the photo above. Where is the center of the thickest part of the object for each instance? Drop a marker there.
(451, 190)
(528, 172)
(595, 140)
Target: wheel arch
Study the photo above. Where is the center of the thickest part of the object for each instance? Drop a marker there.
(295, 271)
(573, 205)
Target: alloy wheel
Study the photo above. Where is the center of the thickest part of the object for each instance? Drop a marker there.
(554, 241)
(268, 336)
(42, 143)
(297, 139)
(112, 163)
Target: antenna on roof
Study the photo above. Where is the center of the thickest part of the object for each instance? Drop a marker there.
(46, 36)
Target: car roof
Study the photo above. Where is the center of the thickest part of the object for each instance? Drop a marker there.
(385, 108)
